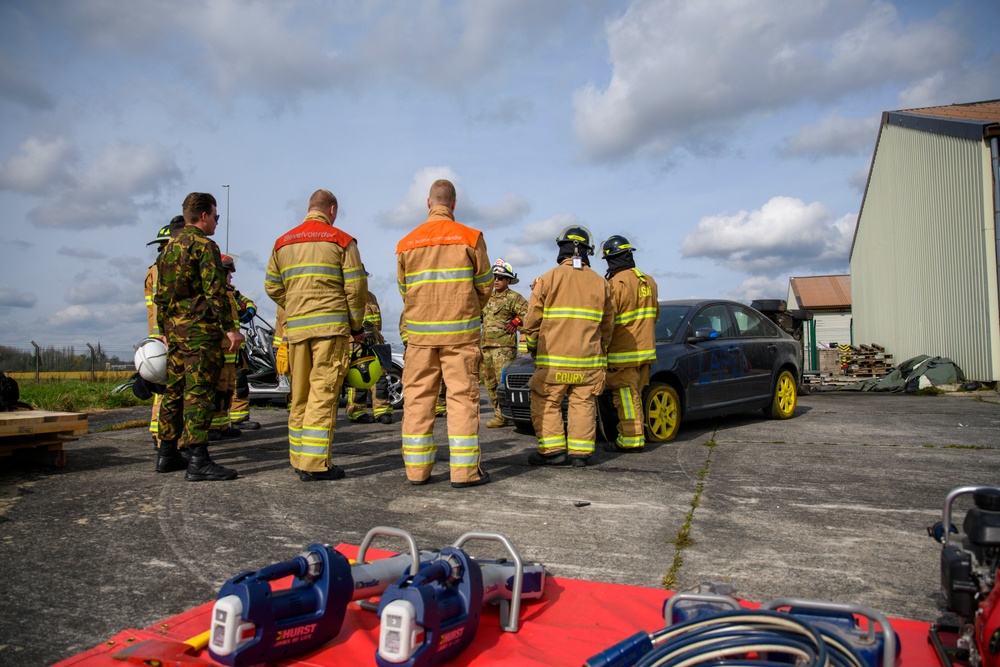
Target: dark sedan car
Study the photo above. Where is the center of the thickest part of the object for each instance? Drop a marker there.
(712, 358)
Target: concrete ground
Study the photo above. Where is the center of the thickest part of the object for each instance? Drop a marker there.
(832, 504)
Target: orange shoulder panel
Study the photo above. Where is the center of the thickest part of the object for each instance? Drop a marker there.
(439, 232)
(314, 230)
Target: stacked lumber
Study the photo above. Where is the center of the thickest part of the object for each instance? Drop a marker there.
(39, 434)
(865, 361)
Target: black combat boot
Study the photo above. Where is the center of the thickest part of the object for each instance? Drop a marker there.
(201, 467)
(167, 457)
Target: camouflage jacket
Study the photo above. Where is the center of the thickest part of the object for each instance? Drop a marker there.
(192, 302)
(498, 312)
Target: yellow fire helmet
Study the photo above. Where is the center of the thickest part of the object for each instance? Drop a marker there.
(365, 368)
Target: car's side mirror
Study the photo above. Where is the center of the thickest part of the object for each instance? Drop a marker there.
(703, 334)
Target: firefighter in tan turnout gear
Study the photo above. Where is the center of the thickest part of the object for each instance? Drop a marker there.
(166, 233)
(445, 280)
(315, 274)
(502, 318)
(633, 342)
(568, 328)
(357, 399)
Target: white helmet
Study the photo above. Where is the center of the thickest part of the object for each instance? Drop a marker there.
(151, 360)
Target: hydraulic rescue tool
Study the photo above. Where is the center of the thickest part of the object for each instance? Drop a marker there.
(970, 568)
(251, 623)
(705, 626)
(432, 616)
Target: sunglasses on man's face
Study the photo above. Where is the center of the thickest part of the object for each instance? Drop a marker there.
(217, 217)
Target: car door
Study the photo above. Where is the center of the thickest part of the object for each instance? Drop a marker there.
(758, 340)
(715, 367)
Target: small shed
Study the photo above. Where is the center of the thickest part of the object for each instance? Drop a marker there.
(924, 257)
(829, 299)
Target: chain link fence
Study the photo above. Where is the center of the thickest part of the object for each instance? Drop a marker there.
(85, 360)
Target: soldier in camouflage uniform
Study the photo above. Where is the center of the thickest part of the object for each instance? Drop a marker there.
(194, 315)
(502, 318)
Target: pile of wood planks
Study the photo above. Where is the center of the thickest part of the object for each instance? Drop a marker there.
(39, 434)
(865, 361)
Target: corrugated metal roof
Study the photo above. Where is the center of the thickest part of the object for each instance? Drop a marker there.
(822, 291)
(986, 112)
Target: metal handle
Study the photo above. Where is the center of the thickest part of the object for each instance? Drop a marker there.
(888, 634)
(509, 614)
(696, 597)
(389, 532)
(946, 512)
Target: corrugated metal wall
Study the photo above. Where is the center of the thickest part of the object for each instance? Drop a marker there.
(924, 267)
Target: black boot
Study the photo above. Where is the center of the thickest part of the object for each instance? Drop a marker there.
(201, 467)
(167, 457)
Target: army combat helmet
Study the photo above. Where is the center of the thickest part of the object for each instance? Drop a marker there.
(502, 269)
(578, 236)
(615, 245)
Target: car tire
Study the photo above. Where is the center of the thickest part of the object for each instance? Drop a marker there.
(784, 397)
(396, 387)
(662, 410)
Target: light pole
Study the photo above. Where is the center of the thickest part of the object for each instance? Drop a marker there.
(227, 217)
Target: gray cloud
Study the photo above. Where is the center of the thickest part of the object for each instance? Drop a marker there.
(19, 88)
(685, 70)
(81, 253)
(833, 135)
(15, 298)
(85, 290)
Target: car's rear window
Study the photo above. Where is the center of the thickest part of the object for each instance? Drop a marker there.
(669, 321)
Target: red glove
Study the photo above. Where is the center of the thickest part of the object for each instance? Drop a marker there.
(513, 325)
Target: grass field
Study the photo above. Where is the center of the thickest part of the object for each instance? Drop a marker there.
(74, 395)
(48, 376)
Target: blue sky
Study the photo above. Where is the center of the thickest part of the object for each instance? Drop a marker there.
(728, 140)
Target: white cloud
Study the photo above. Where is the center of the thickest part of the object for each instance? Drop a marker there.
(107, 192)
(759, 287)
(518, 256)
(85, 290)
(10, 296)
(687, 72)
(81, 253)
(833, 135)
(412, 209)
(785, 233)
(39, 166)
(546, 231)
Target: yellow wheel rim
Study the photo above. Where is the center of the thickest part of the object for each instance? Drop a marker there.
(785, 395)
(662, 415)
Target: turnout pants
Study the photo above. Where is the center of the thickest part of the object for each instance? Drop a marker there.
(495, 359)
(193, 369)
(423, 373)
(626, 386)
(576, 436)
(357, 399)
(225, 388)
(318, 369)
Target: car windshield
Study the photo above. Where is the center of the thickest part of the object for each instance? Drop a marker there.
(669, 321)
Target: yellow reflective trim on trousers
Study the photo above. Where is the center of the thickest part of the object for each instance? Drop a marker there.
(464, 450)
(584, 446)
(628, 407)
(631, 441)
(419, 450)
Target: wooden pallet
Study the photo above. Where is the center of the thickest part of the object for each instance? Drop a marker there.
(39, 434)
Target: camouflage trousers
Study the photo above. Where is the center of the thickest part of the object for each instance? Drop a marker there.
(193, 369)
(495, 359)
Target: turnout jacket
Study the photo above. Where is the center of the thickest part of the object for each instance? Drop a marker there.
(315, 274)
(149, 289)
(633, 341)
(445, 278)
(569, 323)
(373, 321)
